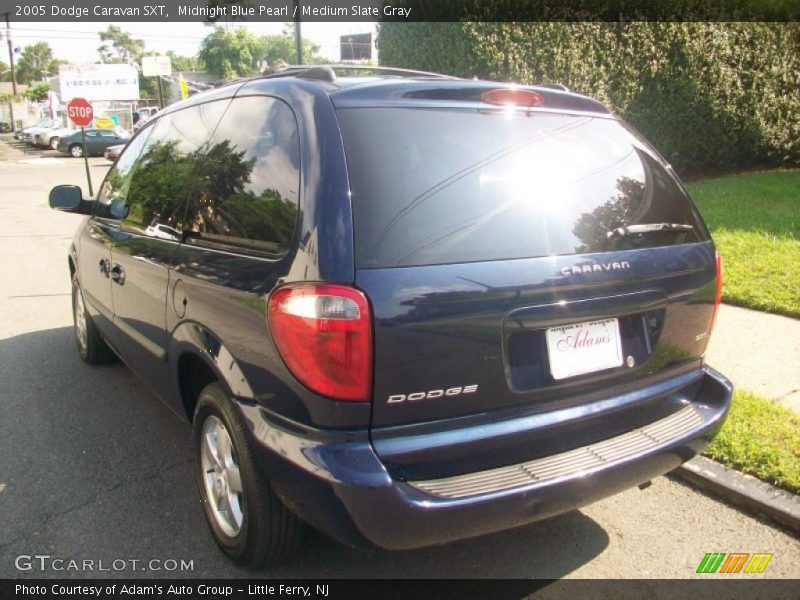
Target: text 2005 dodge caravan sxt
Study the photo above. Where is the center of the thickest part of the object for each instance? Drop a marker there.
(404, 308)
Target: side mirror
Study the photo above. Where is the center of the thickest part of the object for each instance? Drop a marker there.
(66, 197)
(118, 208)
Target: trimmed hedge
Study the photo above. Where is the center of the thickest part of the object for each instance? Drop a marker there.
(710, 96)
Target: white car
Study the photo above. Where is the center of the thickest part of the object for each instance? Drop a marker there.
(27, 133)
(49, 138)
(163, 232)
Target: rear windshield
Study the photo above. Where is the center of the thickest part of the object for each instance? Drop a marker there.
(434, 186)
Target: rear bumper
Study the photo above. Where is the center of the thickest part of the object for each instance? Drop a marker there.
(338, 483)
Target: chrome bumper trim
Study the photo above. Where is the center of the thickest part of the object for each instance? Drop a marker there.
(566, 464)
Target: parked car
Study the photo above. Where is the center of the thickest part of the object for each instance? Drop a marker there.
(49, 138)
(5, 127)
(143, 113)
(97, 140)
(25, 134)
(404, 313)
(161, 231)
(113, 152)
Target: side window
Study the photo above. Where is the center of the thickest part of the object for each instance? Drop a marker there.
(247, 196)
(170, 170)
(114, 191)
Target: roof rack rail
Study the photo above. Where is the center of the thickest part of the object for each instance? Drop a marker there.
(327, 72)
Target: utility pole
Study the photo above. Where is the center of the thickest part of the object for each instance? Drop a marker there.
(298, 38)
(13, 72)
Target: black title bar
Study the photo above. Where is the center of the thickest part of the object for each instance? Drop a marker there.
(711, 588)
(282, 11)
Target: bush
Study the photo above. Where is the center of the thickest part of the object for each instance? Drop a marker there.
(710, 96)
(37, 92)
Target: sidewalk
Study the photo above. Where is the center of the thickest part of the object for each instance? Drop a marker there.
(759, 352)
(11, 149)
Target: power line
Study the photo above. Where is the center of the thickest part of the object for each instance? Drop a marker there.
(90, 32)
(96, 36)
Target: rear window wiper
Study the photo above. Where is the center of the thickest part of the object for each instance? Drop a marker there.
(647, 228)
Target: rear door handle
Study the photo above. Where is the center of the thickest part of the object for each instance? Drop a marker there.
(118, 274)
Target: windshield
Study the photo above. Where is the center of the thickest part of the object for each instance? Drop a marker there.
(434, 186)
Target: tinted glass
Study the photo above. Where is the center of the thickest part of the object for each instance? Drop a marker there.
(171, 170)
(248, 179)
(434, 186)
(114, 191)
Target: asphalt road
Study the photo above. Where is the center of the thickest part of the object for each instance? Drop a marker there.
(93, 466)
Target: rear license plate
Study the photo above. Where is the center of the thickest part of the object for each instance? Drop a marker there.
(584, 348)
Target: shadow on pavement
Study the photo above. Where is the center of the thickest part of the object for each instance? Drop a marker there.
(96, 467)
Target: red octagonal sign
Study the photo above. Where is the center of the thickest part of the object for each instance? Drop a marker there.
(80, 112)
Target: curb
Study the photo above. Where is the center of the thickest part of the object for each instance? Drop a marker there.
(743, 490)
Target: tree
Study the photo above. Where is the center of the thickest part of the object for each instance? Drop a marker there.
(230, 53)
(38, 92)
(183, 63)
(119, 47)
(35, 63)
(282, 47)
(5, 72)
(238, 53)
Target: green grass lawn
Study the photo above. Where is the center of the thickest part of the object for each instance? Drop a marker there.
(762, 439)
(755, 221)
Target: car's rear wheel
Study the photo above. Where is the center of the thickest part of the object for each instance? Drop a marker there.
(76, 150)
(54, 143)
(248, 521)
(92, 348)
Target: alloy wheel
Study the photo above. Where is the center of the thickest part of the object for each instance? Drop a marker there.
(221, 476)
(81, 330)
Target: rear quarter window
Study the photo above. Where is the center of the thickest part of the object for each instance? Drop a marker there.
(436, 186)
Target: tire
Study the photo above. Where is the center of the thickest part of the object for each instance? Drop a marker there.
(253, 528)
(54, 143)
(76, 150)
(92, 348)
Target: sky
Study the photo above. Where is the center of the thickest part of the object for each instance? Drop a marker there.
(78, 42)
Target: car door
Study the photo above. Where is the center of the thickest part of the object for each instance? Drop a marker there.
(141, 256)
(97, 237)
(90, 145)
(94, 260)
(106, 139)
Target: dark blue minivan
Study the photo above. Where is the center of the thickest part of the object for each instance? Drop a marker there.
(400, 307)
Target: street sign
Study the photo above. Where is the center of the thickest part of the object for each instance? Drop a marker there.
(80, 112)
(153, 66)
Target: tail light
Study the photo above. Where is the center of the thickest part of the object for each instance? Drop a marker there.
(324, 335)
(717, 291)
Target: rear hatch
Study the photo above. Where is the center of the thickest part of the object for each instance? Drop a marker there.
(518, 261)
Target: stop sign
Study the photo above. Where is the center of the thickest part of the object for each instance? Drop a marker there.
(80, 112)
